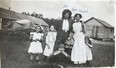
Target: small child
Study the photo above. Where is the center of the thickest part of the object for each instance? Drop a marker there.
(88, 49)
(61, 49)
(35, 48)
(50, 40)
(70, 42)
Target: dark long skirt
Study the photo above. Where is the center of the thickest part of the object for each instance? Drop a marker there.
(61, 38)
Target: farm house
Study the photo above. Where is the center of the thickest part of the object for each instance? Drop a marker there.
(97, 28)
(7, 16)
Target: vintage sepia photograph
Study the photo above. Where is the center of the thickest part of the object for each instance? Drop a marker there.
(57, 33)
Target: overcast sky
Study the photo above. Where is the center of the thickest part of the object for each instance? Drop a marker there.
(53, 9)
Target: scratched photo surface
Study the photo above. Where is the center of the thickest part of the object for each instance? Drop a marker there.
(38, 33)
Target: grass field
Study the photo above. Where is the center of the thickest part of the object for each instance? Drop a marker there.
(14, 55)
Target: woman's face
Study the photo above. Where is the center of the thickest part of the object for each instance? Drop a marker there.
(38, 29)
(66, 15)
(77, 17)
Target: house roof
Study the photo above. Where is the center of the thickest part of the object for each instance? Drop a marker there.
(4, 13)
(100, 21)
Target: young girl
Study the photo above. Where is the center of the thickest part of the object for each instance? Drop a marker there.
(35, 46)
(78, 54)
(50, 40)
(88, 49)
(70, 41)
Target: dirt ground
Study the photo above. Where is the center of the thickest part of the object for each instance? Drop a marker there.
(14, 55)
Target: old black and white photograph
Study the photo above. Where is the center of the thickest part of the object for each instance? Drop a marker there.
(57, 33)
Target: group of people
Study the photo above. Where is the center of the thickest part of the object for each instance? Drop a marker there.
(69, 32)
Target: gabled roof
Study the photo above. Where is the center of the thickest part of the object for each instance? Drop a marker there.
(7, 14)
(100, 21)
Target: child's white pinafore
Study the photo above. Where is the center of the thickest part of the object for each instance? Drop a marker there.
(35, 47)
(50, 40)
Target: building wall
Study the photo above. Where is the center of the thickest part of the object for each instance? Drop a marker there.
(0, 59)
(93, 22)
(110, 32)
(4, 22)
(0, 23)
(101, 33)
(90, 27)
(88, 30)
(97, 30)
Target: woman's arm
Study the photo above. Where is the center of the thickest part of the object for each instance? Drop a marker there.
(31, 36)
(71, 25)
(55, 36)
(47, 42)
(83, 27)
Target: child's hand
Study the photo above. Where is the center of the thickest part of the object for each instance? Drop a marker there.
(90, 46)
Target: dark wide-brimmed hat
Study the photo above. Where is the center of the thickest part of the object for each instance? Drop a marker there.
(66, 11)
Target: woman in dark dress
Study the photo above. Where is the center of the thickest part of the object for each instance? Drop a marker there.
(64, 27)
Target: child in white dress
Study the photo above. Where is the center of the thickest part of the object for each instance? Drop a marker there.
(35, 46)
(88, 49)
(50, 40)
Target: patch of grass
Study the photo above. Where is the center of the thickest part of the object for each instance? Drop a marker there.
(14, 55)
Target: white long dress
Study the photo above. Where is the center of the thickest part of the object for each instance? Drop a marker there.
(88, 51)
(78, 54)
(50, 40)
(35, 47)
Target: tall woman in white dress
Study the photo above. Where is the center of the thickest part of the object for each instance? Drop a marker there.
(50, 41)
(78, 54)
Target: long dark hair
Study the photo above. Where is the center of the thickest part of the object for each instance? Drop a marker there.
(66, 11)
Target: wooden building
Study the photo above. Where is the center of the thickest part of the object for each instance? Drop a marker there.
(7, 16)
(97, 28)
